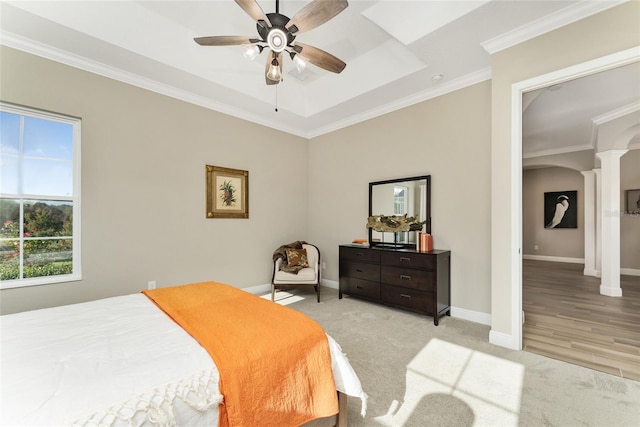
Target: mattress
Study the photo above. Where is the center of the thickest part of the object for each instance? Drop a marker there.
(115, 361)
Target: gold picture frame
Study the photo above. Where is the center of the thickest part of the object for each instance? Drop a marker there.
(227, 192)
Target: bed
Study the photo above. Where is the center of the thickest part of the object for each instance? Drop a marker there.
(126, 361)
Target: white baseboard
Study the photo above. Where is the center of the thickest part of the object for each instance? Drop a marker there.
(587, 272)
(503, 340)
(470, 315)
(259, 289)
(460, 313)
(554, 258)
(629, 271)
(330, 284)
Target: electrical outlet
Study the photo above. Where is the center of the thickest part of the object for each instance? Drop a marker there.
(151, 284)
(324, 265)
(535, 247)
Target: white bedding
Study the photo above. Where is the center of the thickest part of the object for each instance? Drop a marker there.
(116, 361)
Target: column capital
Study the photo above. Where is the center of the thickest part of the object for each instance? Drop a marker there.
(611, 154)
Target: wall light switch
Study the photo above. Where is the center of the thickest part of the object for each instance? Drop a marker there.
(151, 284)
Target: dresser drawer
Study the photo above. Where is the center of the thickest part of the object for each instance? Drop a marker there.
(359, 287)
(359, 254)
(408, 278)
(360, 270)
(409, 260)
(411, 299)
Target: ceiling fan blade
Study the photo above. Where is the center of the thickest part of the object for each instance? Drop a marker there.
(314, 14)
(224, 40)
(270, 58)
(254, 10)
(320, 58)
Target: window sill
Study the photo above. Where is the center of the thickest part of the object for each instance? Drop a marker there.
(37, 281)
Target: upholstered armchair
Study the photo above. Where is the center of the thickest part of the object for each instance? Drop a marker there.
(297, 263)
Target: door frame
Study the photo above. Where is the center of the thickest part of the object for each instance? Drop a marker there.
(583, 69)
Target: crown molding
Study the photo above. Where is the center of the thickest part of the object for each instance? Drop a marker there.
(596, 122)
(45, 51)
(555, 151)
(54, 54)
(617, 113)
(453, 85)
(548, 23)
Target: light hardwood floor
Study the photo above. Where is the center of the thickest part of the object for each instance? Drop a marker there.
(566, 318)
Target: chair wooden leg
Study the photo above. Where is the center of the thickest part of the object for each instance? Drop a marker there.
(273, 292)
(318, 290)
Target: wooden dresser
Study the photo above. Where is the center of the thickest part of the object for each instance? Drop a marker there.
(402, 278)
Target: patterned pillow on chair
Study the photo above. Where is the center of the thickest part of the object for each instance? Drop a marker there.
(297, 258)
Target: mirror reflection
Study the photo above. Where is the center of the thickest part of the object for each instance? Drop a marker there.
(404, 196)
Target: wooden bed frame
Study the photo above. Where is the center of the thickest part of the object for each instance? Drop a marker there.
(338, 420)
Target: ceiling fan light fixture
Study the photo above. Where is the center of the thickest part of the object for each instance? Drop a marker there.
(277, 40)
(277, 33)
(274, 71)
(300, 63)
(251, 51)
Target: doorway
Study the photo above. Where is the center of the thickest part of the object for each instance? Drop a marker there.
(518, 90)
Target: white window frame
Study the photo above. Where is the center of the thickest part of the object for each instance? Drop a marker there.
(405, 199)
(75, 198)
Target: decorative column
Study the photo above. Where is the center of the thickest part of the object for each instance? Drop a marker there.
(610, 214)
(589, 223)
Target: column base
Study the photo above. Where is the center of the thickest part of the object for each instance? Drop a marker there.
(611, 292)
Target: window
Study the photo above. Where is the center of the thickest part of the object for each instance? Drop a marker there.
(39, 197)
(400, 201)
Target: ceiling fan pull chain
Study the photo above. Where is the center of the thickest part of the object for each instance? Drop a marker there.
(276, 99)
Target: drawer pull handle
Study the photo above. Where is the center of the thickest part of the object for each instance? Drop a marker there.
(405, 296)
(358, 270)
(404, 258)
(359, 254)
(404, 277)
(359, 287)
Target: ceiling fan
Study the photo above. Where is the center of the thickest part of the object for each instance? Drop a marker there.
(277, 33)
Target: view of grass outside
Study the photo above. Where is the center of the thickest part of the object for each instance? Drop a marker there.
(45, 242)
(36, 195)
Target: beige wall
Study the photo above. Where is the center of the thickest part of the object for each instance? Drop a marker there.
(608, 32)
(143, 186)
(447, 138)
(569, 243)
(557, 242)
(629, 224)
(143, 175)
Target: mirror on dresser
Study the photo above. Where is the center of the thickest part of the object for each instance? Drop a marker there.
(410, 196)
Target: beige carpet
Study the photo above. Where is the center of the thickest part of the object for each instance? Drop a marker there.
(418, 374)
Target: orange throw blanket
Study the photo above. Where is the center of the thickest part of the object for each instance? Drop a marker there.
(274, 362)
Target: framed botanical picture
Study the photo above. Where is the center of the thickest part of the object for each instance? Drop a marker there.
(227, 192)
(561, 209)
(633, 201)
